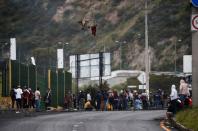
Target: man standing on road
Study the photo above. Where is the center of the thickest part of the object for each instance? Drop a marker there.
(37, 99)
(18, 93)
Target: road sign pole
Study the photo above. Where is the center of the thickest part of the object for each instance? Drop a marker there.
(194, 63)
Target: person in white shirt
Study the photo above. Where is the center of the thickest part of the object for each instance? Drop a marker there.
(37, 99)
(88, 97)
(18, 93)
(174, 97)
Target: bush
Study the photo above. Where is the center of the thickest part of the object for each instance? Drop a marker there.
(163, 82)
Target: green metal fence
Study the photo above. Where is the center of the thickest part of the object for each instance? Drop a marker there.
(53, 83)
(15, 79)
(61, 90)
(41, 73)
(3, 76)
(61, 83)
(32, 76)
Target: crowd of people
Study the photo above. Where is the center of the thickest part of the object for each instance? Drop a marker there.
(106, 100)
(26, 98)
(101, 101)
(128, 99)
(114, 100)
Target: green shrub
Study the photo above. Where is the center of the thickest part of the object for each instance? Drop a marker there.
(188, 118)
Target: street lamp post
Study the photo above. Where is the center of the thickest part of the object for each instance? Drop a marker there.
(175, 56)
(120, 43)
(57, 85)
(146, 48)
(28, 74)
(36, 70)
(179, 40)
(19, 81)
(63, 44)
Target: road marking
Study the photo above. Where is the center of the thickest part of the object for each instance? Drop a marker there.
(163, 126)
(76, 126)
(81, 122)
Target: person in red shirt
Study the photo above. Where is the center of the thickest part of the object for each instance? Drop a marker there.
(31, 98)
(26, 94)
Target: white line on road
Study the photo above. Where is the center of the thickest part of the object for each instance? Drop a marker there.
(75, 126)
(81, 122)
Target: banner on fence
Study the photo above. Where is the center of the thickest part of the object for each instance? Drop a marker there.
(60, 58)
(13, 48)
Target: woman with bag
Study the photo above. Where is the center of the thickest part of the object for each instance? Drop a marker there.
(47, 98)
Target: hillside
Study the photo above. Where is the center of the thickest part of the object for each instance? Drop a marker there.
(39, 25)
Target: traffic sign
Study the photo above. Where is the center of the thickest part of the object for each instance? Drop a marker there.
(142, 78)
(194, 22)
(142, 87)
(195, 3)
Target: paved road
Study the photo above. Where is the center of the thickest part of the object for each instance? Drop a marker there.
(88, 121)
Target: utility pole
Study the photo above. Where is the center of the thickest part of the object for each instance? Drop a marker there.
(120, 56)
(57, 84)
(64, 64)
(101, 67)
(57, 78)
(19, 83)
(175, 57)
(146, 48)
(77, 68)
(64, 69)
(28, 83)
(194, 54)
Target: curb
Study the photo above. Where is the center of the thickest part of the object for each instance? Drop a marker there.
(177, 125)
(163, 126)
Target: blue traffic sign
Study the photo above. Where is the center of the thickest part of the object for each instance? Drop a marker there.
(195, 3)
